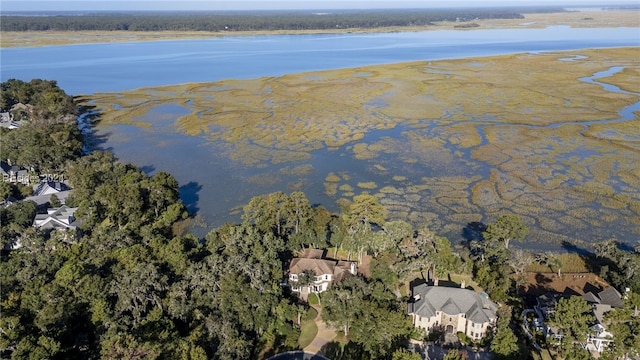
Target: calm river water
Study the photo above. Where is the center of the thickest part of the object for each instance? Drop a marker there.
(213, 185)
(85, 69)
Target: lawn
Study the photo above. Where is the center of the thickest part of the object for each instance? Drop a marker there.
(308, 333)
(570, 263)
(310, 315)
(313, 299)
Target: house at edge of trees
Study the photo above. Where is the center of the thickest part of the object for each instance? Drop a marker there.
(323, 272)
(60, 218)
(601, 302)
(452, 310)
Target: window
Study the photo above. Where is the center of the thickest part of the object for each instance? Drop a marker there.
(472, 334)
(294, 277)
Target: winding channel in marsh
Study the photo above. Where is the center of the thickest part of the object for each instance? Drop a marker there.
(441, 143)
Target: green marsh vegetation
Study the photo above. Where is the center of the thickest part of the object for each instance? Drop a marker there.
(446, 142)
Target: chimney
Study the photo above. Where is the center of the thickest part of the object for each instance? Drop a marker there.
(462, 284)
(435, 281)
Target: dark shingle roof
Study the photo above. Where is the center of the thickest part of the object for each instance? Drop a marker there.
(611, 296)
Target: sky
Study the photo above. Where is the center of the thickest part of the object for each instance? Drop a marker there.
(114, 5)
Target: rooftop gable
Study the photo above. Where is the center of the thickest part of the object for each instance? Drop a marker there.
(452, 301)
(611, 296)
(317, 266)
(62, 217)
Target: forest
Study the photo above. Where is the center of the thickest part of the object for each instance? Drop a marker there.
(131, 282)
(257, 21)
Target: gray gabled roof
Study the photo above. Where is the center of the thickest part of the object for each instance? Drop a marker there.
(611, 296)
(591, 298)
(451, 301)
(57, 218)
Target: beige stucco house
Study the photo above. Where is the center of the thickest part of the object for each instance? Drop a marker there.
(452, 310)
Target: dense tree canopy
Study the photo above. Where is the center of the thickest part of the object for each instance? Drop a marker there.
(572, 316)
(621, 267)
(252, 21)
(624, 323)
(49, 137)
(48, 101)
(505, 343)
(369, 314)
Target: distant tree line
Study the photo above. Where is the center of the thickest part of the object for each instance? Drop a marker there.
(254, 21)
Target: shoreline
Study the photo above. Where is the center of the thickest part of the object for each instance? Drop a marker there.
(595, 19)
(511, 152)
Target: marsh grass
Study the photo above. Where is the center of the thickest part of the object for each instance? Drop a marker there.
(570, 263)
(524, 120)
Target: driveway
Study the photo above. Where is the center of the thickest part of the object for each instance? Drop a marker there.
(324, 336)
(436, 352)
(297, 355)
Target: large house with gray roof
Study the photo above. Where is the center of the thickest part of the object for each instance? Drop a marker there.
(452, 310)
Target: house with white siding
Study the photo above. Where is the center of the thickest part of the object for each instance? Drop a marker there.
(322, 272)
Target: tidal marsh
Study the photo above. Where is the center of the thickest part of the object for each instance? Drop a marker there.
(441, 143)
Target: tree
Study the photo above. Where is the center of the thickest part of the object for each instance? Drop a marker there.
(343, 303)
(379, 242)
(426, 253)
(139, 290)
(455, 354)
(364, 211)
(380, 330)
(572, 316)
(621, 266)
(54, 201)
(398, 230)
(506, 228)
(519, 260)
(5, 190)
(624, 324)
(404, 354)
(504, 343)
(21, 213)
